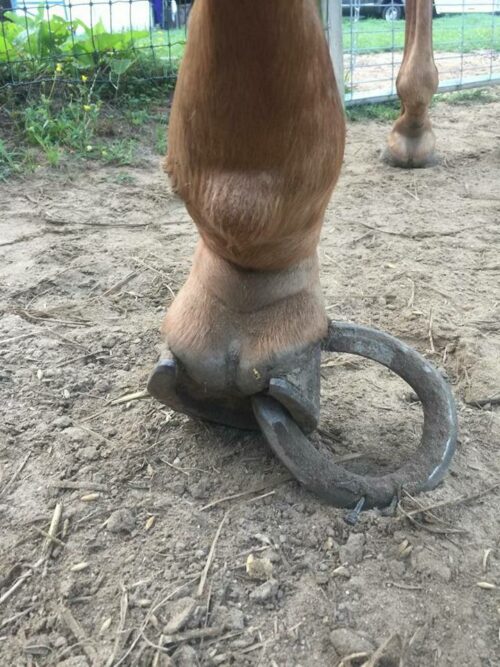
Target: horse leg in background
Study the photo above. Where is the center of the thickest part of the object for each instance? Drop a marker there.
(255, 146)
(411, 142)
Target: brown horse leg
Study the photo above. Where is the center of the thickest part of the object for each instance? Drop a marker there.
(411, 142)
(255, 146)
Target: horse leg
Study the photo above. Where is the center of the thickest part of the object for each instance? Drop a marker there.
(256, 140)
(411, 142)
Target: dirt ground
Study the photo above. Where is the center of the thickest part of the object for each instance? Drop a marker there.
(89, 258)
(378, 71)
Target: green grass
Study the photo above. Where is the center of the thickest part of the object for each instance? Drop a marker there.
(10, 160)
(371, 35)
(387, 111)
(469, 97)
(52, 130)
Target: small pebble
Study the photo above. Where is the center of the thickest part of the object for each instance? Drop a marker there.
(259, 568)
(347, 642)
(75, 434)
(180, 612)
(265, 592)
(109, 341)
(185, 656)
(342, 571)
(62, 422)
(121, 521)
(352, 551)
(199, 490)
(89, 453)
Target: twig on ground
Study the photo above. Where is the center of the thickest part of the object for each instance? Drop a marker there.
(52, 532)
(347, 660)
(147, 618)
(211, 554)
(98, 435)
(422, 234)
(413, 196)
(177, 468)
(481, 402)
(14, 339)
(159, 272)
(188, 635)
(5, 596)
(454, 501)
(95, 414)
(67, 340)
(121, 283)
(445, 530)
(405, 587)
(43, 317)
(379, 653)
(22, 579)
(16, 474)
(13, 618)
(81, 357)
(127, 398)
(431, 339)
(264, 495)
(486, 556)
(121, 627)
(242, 494)
(48, 536)
(20, 239)
(88, 486)
(411, 300)
(75, 627)
(50, 220)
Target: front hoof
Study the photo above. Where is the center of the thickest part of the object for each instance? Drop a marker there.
(171, 385)
(294, 382)
(408, 149)
(408, 161)
(161, 383)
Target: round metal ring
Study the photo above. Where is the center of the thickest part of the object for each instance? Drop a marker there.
(338, 486)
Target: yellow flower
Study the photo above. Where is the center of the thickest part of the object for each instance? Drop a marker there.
(89, 148)
(87, 107)
(59, 67)
(84, 78)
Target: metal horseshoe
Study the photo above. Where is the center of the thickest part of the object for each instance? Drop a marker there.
(332, 482)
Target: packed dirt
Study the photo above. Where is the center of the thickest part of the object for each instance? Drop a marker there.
(152, 516)
(377, 71)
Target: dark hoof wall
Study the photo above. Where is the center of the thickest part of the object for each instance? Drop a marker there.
(161, 383)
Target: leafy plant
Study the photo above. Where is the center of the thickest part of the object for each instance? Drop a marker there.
(9, 161)
(31, 46)
(73, 125)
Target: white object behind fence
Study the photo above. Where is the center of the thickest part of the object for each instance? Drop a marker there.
(459, 6)
(115, 15)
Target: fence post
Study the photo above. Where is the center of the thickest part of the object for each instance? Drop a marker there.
(331, 10)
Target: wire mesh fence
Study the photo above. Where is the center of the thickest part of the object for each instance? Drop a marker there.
(466, 38)
(115, 40)
(107, 40)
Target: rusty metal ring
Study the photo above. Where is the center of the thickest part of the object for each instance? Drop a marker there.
(338, 486)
